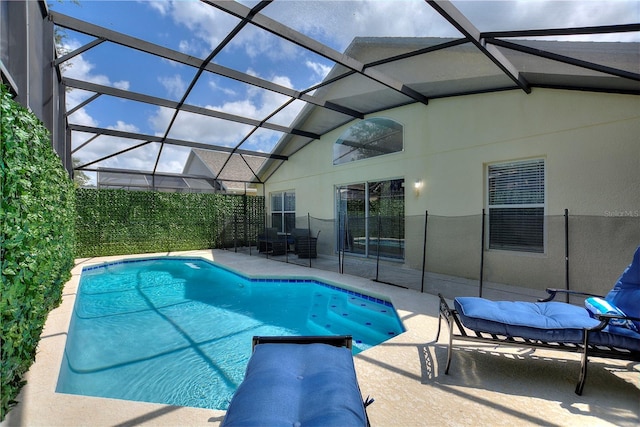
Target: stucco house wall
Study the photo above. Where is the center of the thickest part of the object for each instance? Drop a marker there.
(591, 146)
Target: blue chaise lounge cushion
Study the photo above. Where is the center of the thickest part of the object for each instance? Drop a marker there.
(626, 292)
(545, 321)
(298, 385)
(555, 322)
(616, 336)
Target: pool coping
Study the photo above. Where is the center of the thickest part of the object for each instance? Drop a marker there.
(378, 298)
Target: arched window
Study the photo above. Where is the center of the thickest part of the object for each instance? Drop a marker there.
(368, 138)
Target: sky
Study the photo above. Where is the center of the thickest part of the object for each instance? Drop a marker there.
(195, 28)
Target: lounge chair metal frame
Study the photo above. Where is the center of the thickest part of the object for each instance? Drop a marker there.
(585, 348)
(334, 340)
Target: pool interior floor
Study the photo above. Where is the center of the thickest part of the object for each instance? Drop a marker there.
(486, 385)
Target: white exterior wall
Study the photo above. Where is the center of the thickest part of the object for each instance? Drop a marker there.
(590, 143)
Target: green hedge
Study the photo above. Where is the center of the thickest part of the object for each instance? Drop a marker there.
(37, 240)
(115, 222)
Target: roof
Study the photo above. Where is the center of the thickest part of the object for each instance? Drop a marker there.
(371, 75)
(457, 70)
(232, 172)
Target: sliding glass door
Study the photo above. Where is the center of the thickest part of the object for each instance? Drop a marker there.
(370, 218)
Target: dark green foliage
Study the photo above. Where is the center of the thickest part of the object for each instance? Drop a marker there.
(115, 222)
(36, 243)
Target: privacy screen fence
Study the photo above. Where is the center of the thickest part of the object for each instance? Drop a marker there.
(461, 255)
(116, 222)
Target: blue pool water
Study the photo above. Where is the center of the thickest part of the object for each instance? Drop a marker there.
(178, 331)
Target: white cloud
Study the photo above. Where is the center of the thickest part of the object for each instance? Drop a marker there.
(257, 42)
(257, 104)
(263, 141)
(199, 128)
(173, 159)
(142, 158)
(215, 87)
(282, 81)
(185, 46)
(336, 23)
(122, 84)
(174, 85)
(81, 69)
(260, 102)
(160, 6)
(103, 146)
(541, 14)
(160, 119)
(107, 145)
(79, 117)
(125, 127)
(286, 116)
(320, 70)
(78, 68)
(205, 22)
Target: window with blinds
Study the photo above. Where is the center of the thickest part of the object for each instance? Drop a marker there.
(283, 211)
(516, 205)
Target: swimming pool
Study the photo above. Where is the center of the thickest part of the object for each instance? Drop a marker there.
(178, 330)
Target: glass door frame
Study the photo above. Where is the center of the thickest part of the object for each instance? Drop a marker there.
(345, 217)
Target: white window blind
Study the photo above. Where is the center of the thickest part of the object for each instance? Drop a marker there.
(516, 205)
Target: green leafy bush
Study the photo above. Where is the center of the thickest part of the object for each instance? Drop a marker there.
(37, 239)
(116, 222)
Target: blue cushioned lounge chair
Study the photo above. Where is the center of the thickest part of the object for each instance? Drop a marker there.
(299, 381)
(610, 333)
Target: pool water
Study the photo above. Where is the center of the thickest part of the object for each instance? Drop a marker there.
(178, 331)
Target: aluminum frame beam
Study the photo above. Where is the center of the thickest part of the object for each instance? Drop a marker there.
(162, 102)
(170, 141)
(601, 29)
(489, 44)
(566, 59)
(261, 21)
(210, 180)
(168, 175)
(164, 174)
(423, 51)
(173, 55)
(78, 51)
(462, 24)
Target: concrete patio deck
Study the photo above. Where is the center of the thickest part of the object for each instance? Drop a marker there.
(486, 385)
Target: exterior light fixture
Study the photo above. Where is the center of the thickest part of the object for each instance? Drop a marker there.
(417, 186)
